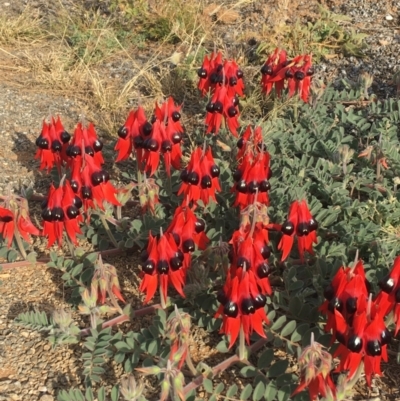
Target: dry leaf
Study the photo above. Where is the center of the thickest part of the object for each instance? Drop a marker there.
(227, 16)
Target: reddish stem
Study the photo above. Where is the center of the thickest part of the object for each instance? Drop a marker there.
(198, 381)
(124, 318)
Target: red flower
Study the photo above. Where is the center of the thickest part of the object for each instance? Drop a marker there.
(85, 138)
(7, 225)
(163, 263)
(223, 107)
(61, 211)
(215, 72)
(52, 144)
(200, 178)
(347, 294)
(252, 177)
(300, 222)
(242, 304)
(298, 73)
(92, 183)
(188, 230)
(270, 69)
(251, 141)
(389, 297)
(15, 220)
(132, 135)
(366, 340)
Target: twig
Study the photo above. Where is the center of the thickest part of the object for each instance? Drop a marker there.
(198, 381)
(124, 318)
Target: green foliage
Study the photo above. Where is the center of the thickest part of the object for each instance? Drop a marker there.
(33, 320)
(89, 395)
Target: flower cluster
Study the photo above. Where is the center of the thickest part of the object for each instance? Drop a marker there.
(300, 223)
(356, 322)
(15, 221)
(224, 79)
(162, 136)
(244, 295)
(200, 177)
(168, 256)
(253, 173)
(297, 72)
(61, 212)
(52, 144)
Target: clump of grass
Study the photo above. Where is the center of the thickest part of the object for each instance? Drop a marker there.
(329, 33)
(27, 27)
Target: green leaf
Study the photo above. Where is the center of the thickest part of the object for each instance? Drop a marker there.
(248, 371)
(278, 368)
(289, 328)
(265, 359)
(208, 385)
(278, 323)
(259, 391)
(115, 393)
(246, 392)
(270, 391)
(222, 347)
(89, 394)
(101, 394)
(232, 390)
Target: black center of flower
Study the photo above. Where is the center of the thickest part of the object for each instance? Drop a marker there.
(354, 343)
(97, 178)
(243, 262)
(42, 143)
(166, 145)
(264, 186)
(56, 146)
(65, 137)
(374, 348)
(206, 182)
(232, 81)
(138, 142)
(97, 145)
(218, 106)
(265, 251)
(310, 72)
(202, 73)
(299, 75)
(193, 178)
(199, 226)
(221, 297)
(184, 175)
(231, 309)
(147, 128)
(162, 266)
(188, 245)
(237, 175)
(214, 171)
(239, 74)
(253, 187)
(86, 192)
(235, 100)
(89, 151)
(73, 151)
(74, 186)
(263, 270)
(313, 225)
(210, 107)
(176, 116)
(46, 215)
(289, 73)
(351, 305)
(176, 137)
(241, 186)
(247, 306)
(175, 263)
(287, 228)
(149, 266)
(232, 111)
(266, 69)
(123, 132)
(387, 284)
(259, 301)
(385, 337)
(72, 212)
(57, 213)
(335, 303)
(329, 292)
(302, 229)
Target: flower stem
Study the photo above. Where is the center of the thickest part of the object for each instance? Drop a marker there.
(242, 345)
(198, 381)
(190, 365)
(163, 300)
(70, 246)
(108, 231)
(20, 244)
(124, 318)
